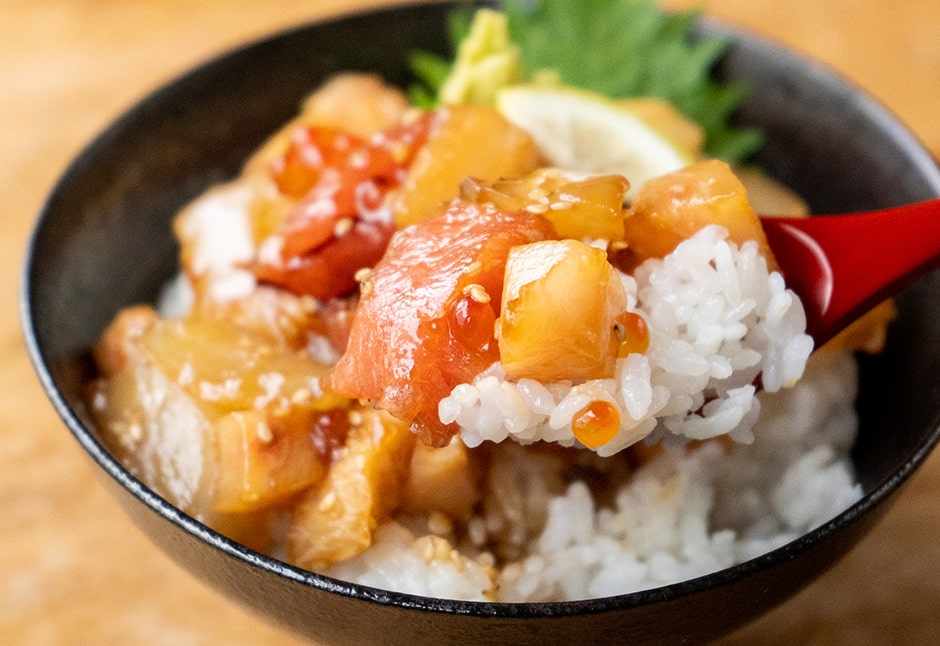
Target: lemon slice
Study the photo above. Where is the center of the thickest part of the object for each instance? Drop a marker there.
(586, 132)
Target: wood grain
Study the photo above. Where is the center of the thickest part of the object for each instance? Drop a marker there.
(73, 570)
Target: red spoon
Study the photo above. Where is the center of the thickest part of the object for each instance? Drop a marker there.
(842, 265)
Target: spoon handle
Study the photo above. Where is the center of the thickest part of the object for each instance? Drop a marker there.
(842, 265)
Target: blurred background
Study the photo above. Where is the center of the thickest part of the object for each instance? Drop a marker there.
(74, 570)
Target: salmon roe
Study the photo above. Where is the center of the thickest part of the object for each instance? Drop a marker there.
(472, 318)
(632, 333)
(596, 424)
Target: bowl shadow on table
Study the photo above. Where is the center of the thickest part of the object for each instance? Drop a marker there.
(103, 242)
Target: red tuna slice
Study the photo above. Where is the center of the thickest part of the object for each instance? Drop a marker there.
(425, 320)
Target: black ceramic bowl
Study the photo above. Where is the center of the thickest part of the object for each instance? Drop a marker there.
(103, 242)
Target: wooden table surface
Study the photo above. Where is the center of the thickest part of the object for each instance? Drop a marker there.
(74, 570)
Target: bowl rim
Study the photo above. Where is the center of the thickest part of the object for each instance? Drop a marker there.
(874, 109)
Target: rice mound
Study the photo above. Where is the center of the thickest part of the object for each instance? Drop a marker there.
(689, 511)
(717, 319)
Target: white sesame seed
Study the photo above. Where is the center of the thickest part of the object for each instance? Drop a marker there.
(135, 431)
(474, 268)
(343, 227)
(327, 502)
(301, 396)
(477, 293)
(309, 304)
(440, 523)
(359, 159)
(264, 432)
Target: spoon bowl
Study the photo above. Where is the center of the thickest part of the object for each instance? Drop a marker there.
(842, 265)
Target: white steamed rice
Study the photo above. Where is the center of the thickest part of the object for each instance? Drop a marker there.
(685, 513)
(717, 319)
